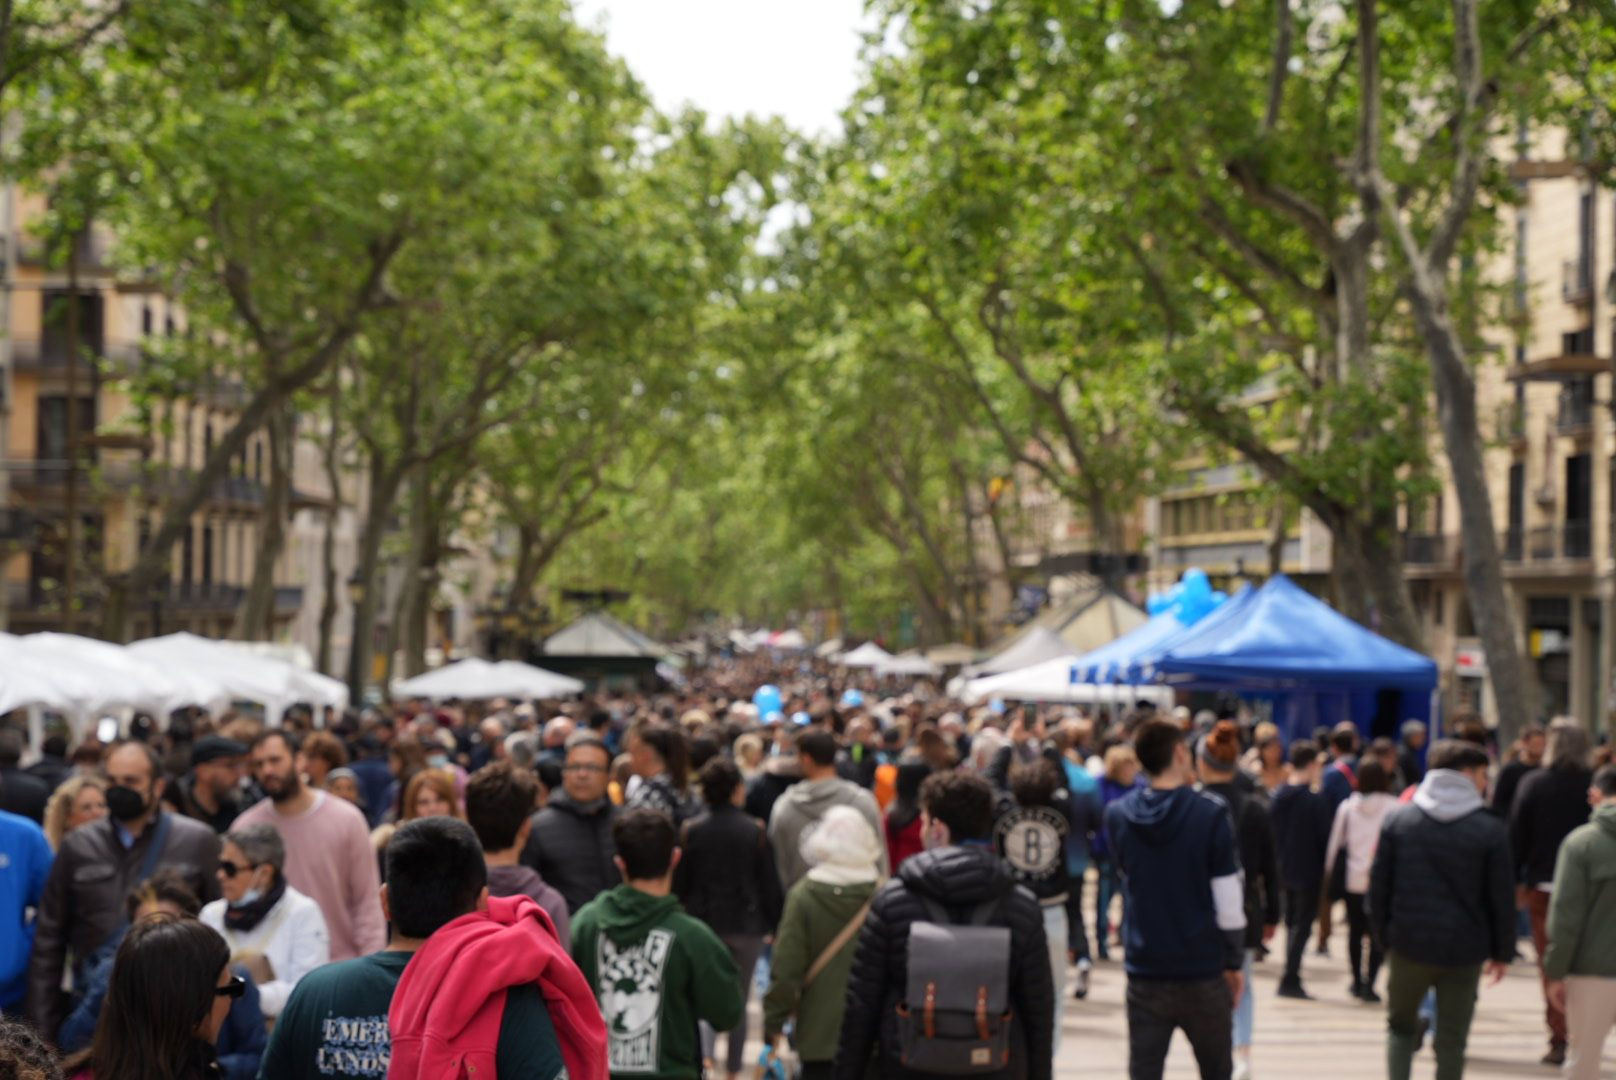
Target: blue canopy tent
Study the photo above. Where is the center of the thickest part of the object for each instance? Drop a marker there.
(1315, 665)
(1109, 662)
(1140, 667)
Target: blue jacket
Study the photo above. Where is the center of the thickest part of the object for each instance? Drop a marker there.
(1170, 845)
(25, 862)
(242, 1039)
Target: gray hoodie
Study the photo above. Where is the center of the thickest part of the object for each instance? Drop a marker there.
(1447, 795)
(798, 811)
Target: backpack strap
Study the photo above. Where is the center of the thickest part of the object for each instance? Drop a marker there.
(822, 961)
(981, 915)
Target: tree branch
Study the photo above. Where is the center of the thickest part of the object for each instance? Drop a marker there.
(1283, 25)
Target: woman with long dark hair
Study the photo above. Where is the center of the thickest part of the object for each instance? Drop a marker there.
(661, 762)
(170, 992)
(903, 816)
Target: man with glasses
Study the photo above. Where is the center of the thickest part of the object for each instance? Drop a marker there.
(571, 843)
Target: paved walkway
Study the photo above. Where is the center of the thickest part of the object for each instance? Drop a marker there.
(1335, 1037)
(1332, 1038)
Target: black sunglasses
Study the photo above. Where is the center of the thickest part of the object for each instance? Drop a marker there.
(235, 988)
(231, 869)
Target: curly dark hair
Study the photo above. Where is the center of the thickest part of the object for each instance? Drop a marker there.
(24, 1055)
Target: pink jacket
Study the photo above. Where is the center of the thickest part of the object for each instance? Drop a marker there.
(447, 1009)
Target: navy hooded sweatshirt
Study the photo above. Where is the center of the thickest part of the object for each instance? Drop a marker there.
(1172, 846)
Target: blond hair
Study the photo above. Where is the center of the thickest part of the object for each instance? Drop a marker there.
(60, 807)
(1115, 758)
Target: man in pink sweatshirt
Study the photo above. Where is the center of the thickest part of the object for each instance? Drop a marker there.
(328, 852)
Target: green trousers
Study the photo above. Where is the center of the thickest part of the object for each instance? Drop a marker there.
(1406, 983)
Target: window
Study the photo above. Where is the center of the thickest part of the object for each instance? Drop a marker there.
(54, 326)
(50, 441)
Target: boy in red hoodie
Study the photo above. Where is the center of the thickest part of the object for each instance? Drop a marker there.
(371, 1016)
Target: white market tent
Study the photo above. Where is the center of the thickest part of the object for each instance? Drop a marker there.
(908, 664)
(867, 655)
(125, 679)
(1033, 647)
(828, 649)
(478, 680)
(275, 684)
(790, 640)
(1059, 680)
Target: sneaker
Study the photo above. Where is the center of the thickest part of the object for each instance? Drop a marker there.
(1369, 996)
(1080, 989)
(1288, 989)
(1555, 1056)
(1242, 1069)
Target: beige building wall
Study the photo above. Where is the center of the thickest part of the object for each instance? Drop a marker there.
(1545, 398)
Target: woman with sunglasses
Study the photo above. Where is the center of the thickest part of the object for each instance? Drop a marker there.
(242, 1040)
(171, 990)
(274, 931)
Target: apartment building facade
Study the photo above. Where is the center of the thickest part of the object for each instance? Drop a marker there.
(1549, 463)
(78, 443)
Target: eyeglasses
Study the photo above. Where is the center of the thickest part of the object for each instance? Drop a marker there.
(230, 869)
(584, 768)
(234, 989)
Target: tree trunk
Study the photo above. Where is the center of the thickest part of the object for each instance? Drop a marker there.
(416, 603)
(385, 481)
(256, 619)
(1490, 604)
(328, 545)
(1278, 533)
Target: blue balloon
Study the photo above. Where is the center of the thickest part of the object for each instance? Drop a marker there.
(1157, 603)
(1196, 583)
(768, 699)
(852, 699)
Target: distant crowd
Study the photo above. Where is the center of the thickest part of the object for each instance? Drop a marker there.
(597, 887)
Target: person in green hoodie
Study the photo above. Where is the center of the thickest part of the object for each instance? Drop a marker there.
(818, 935)
(656, 970)
(1580, 962)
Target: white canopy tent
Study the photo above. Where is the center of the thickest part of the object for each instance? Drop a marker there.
(478, 680)
(867, 655)
(275, 684)
(828, 649)
(129, 680)
(791, 640)
(1056, 681)
(908, 664)
(1033, 647)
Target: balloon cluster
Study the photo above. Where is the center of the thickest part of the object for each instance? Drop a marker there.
(1189, 601)
(768, 700)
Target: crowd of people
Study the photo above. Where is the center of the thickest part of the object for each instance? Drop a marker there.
(598, 887)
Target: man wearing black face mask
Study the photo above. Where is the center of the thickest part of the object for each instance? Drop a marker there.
(100, 863)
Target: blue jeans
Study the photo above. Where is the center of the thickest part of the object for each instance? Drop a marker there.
(1110, 885)
(1245, 1010)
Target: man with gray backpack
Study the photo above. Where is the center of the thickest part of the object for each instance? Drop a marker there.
(951, 976)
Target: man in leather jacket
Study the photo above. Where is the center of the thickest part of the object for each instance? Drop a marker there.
(100, 863)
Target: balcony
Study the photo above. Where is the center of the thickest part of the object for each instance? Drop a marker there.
(1577, 281)
(1431, 550)
(1509, 423)
(200, 596)
(50, 354)
(1576, 413)
(288, 598)
(1514, 544)
(1567, 542)
(51, 475)
(167, 481)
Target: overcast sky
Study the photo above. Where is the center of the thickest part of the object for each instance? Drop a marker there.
(791, 58)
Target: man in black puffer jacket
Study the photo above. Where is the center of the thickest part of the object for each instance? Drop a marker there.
(1441, 901)
(570, 844)
(959, 871)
